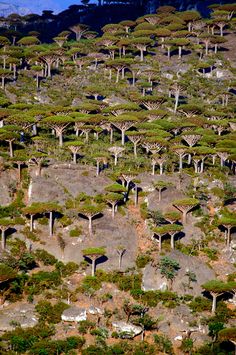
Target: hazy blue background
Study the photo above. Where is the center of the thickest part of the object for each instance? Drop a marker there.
(36, 6)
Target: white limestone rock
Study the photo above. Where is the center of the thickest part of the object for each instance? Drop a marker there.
(74, 314)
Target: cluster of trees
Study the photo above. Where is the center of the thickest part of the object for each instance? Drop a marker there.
(157, 102)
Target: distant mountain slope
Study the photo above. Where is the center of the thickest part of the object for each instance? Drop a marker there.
(24, 7)
(7, 9)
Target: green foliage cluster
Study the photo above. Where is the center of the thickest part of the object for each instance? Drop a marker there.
(49, 313)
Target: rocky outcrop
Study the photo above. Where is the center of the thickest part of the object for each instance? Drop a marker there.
(126, 330)
(74, 314)
(153, 280)
(23, 315)
(95, 310)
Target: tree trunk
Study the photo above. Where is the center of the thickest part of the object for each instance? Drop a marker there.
(19, 172)
(133, 79)
(153, 169)
(160, 242)
(93, 266)
(213, 309)
(189, 159)
(168, 53)
(184, 216)
(123, 73)
(159, 195)
(142, 335)
(49, 70)
(135, 149)
(141, 55)
(172, 241)
(37, 82)
(34, 129)
(74, 158)
(161, 168)
(39, 169)
(120, 261)
(116, 158)
(117, 75)
(14, 71)
(31, 223)
(180, 162)
(228, 237)
(123, 137)
(10, 149)
(90, 225)
(113, 205)
(3, 82)
(3, 239)
(60, 139)
(97, 168)
(111, 135)
(176, 101)
(221, 31)
(180, 52)
(51, 223)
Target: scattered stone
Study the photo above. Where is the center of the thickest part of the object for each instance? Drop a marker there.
(95, 310)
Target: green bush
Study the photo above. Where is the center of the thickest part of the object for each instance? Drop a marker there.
(56, 347)
(30, 235)
(66, 269)
(65, 221)
(211, 253)
(144, 210)
(200, 304)
(142, 260)
(43, 256)
(86, 326)
(75, 232)
(163, 344)
(231, 277)
(43, 280)
(222, 314)
(91, 282)
(50, 313)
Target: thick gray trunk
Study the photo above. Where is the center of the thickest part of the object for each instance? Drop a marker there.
(3, 239)
(31, 223)
(51, 224)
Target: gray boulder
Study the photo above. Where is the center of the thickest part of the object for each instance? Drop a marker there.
(95, 310)
(74, 314)
(126, 330)
(23, 315)
(153, 280)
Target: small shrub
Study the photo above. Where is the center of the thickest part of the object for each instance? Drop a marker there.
(90, 282)
(211, 253)
(86, 326)
(67, 269)
(65, 221)
(142, 260)
(43, 221)
(49, 313)
(163, 344)
(144, 210)
(75, 232)
(200, 304)
(43, 256)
